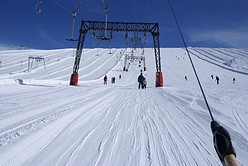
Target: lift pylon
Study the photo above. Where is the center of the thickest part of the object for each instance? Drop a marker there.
(118, 27)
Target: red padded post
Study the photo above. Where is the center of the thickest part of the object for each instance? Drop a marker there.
(74, 79)
(159, 79)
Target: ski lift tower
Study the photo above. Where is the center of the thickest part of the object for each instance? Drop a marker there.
(37, 59)
(118, 27)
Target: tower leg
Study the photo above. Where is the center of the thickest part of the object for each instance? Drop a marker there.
(159, 79)
(74, 79)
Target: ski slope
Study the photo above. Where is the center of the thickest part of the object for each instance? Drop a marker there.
(44, 121)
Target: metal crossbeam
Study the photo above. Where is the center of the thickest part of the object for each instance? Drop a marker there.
(119, 26)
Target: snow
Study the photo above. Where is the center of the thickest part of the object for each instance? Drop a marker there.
(44, 121)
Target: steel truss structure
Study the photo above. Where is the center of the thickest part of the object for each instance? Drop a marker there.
(117, 27)
(37, 59)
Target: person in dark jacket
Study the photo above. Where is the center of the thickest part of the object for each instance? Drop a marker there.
(217, 79)
(105, 78)
(141, 81)
(144, 83)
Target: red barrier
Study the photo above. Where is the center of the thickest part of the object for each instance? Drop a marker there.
(74, 79)
(159, 79)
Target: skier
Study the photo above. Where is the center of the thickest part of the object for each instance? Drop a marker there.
(217, 79)
(185, 78)
(105, 78)
(144, 83)
(119, 76)
(212, 76)
(140, 80)
(113, 80)
(233, 80)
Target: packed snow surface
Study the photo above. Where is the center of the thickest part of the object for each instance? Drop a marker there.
(45, 121)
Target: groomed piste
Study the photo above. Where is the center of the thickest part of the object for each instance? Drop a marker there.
(45, 121)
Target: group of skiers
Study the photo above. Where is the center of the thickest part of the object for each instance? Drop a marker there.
(142, 81)
(105, 79)
(217, 79)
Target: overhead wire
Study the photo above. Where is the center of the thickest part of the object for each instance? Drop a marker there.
(221, 137)
(79, 4)
(50, 6)
(62, 6)
(192, 64)
(66, 9)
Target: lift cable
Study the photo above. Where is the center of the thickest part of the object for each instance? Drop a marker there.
(62, 6)
(74, 13)
(185, 45)
(51, 8)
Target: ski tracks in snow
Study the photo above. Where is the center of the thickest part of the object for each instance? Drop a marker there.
(120, 126)
(25, 128)
(237, 104)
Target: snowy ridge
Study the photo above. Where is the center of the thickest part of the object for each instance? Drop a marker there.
(44, 121)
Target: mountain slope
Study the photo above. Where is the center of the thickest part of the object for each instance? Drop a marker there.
(44, 121)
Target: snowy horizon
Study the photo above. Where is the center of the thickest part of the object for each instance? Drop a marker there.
(45, 121)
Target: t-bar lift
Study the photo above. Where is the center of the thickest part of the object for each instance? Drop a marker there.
(118, 27)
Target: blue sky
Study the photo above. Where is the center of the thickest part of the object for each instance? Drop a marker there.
(204, 23)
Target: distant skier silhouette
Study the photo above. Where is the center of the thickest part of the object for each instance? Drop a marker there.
(141, 81)
(105, 78)
(113, 80)
(144, 82)
(217, 79)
